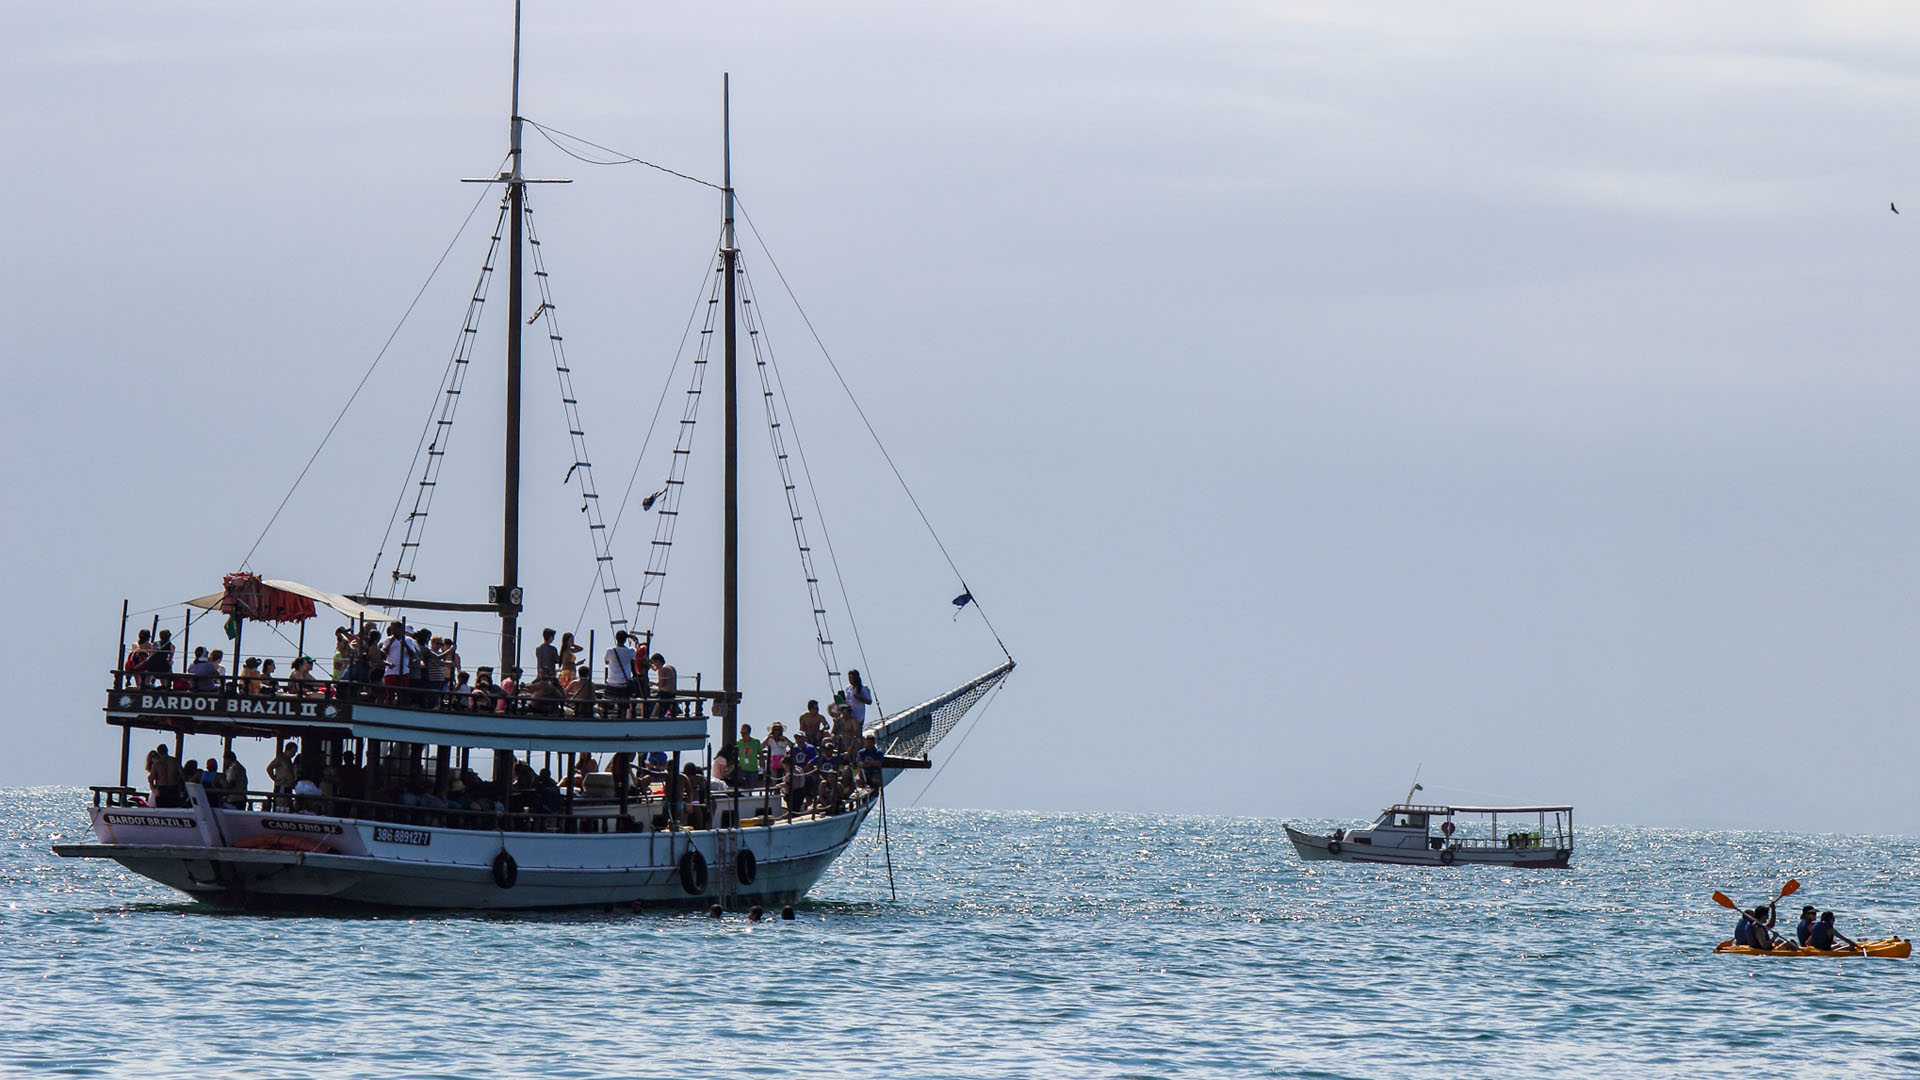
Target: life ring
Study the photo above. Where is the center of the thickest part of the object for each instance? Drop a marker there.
(1333, 847)
(1446, 828)
(1446, 857)
(505, 870)
(693, 872)
(745, 866)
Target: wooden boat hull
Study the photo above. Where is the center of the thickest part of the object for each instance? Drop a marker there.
(1888, 948)
(1317, 848)
(375, 864)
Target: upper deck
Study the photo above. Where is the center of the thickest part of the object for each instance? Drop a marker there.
(348, 710)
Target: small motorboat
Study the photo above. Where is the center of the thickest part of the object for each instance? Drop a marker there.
(1421, 834)
(1892, 948)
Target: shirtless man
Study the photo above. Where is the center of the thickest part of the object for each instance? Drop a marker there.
(812, 724)
(846, 726)
(168, 781)
(281, 771)
(666, 688)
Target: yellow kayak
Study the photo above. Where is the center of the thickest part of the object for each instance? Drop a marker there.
(1891, 948)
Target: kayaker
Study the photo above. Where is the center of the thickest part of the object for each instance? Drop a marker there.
(1803, 932)
(1755, 929)
(1823, 934)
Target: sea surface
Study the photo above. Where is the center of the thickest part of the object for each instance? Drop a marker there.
(1020, 945)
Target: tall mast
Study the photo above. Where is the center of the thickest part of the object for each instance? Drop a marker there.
(510, 531)
(729, 255)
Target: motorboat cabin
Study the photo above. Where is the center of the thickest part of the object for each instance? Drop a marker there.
(1422, 834)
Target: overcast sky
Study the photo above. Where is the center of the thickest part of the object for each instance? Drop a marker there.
(1310, 392)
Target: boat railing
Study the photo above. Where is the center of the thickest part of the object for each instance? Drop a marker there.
(1518, 840)
(593, 702)
(645, 810)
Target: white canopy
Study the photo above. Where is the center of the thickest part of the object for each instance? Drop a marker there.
(339, 603)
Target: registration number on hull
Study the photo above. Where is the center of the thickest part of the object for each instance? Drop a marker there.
(389, 835)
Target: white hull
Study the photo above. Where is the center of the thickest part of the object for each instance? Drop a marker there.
(234, 858)
(1316, 848)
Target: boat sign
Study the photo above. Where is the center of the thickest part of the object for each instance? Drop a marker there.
(284, 825)
(387, 835)
(223, 706)
(164, 822)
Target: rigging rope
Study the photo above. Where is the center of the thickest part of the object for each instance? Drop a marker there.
(764, 360)
(667, 518)
(582, 467)
(828, 356)
(622, 158)
(362, 384)
(439, 425)
(964, 736)
(666, 388)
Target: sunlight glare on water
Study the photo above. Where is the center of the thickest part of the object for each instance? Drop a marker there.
(1021, 945)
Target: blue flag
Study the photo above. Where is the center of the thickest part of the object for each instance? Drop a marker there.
(960, 603)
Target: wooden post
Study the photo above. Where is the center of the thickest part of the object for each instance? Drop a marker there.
(673, 791)
(730, 558)
(119, 678)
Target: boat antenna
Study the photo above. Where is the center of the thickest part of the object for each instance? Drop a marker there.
(730, 584)
(1416, 783)
(507, 595)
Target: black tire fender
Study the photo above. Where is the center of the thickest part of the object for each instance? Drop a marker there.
(1446, 857)
(745, 866)
(1334, 848)
(505, 871)
(693, 872)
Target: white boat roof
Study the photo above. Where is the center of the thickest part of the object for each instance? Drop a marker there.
(1422, 808)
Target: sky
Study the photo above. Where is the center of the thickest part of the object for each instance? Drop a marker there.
(1310, 393)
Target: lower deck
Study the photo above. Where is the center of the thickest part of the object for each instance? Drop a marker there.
(279, 851)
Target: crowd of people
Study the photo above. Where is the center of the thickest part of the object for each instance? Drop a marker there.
(420, 669)
(822, 766)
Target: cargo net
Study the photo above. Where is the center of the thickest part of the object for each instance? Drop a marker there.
(918, 730)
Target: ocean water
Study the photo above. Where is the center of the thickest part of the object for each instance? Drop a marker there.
(1039, 945)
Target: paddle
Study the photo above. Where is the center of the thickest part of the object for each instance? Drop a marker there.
(1792, 886)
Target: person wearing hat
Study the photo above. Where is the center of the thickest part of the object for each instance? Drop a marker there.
(1808, 917)
(778, 746)
(1823, 934)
